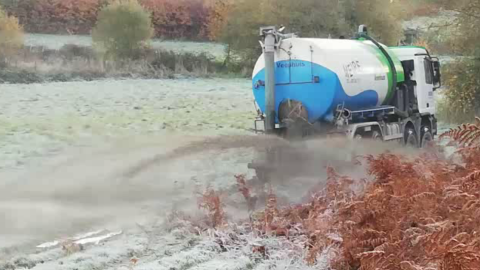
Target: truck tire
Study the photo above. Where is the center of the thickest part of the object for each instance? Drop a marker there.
(376, 135)
(411, 138)
(427, 137)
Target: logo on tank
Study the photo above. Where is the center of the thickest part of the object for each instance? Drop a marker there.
(293, 64)
(352, 71)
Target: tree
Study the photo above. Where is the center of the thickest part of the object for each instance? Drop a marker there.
(217, 16)
(11, 34)
(307, 18)
(382, 17)
(462, 95)
(122, 30)
(178, 18)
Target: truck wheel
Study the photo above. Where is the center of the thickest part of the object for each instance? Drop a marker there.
(411, 138)
(376, 135)
(427, 138)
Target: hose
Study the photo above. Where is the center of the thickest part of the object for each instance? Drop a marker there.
(390, 62)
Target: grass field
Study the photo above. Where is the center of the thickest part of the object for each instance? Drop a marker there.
(57, 41)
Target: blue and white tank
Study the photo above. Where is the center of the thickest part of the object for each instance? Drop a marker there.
(322, 73)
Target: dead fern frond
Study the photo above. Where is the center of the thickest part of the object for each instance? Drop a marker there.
(422, 197)
(408, 265)
(210, 201)
(473, 176)
(271, 211)
(465, 134)
(372, 260)
(461, 259)
(373, 243)
(246, 192)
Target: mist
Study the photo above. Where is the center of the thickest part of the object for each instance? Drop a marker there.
(132, 181)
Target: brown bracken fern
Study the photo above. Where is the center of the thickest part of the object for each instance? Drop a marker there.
(211, 202)
(465, 134)
(418, 213)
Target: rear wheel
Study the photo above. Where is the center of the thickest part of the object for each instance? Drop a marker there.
(411, 138)
(427, 138)
(376, 135)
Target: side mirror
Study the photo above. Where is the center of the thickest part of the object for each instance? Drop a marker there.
(437, 77)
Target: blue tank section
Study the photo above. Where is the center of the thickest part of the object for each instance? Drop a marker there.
(320, 98)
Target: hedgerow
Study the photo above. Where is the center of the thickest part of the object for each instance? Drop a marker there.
(170, 18)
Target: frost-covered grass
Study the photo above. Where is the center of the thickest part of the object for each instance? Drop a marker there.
(178, 249)
(57, 41)
(40, 121)
(44, 117)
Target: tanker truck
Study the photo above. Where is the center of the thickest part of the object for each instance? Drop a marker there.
(358, 88)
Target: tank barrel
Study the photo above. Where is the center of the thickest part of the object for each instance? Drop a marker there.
(320, 74)
(269, 54)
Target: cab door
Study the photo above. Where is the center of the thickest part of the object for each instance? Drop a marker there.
(425, 84)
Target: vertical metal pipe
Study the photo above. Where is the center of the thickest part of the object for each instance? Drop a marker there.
(269, 53)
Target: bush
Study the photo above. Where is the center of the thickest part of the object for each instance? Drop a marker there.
(184, 63)
(178, 18)
(382, 18)
(71, 51)
(11, 33)
(462, 96)
(56, 16)
(123, 29)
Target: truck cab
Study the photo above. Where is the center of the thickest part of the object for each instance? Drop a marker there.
(410, 117)
(423, 73)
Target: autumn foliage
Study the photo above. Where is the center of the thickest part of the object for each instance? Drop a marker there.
(170, 18)
(57, 16)
(11, 33)
(417, 214)
(179, 18)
